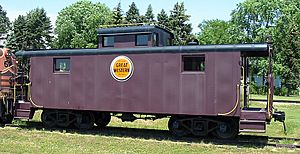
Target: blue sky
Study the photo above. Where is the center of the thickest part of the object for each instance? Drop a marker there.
(198, 9)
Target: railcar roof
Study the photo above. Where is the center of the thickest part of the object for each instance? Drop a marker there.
(255, 50)
(130, 30)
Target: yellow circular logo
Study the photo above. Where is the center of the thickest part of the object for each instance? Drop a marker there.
(121, 68)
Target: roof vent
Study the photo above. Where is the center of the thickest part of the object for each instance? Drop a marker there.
(194, 42)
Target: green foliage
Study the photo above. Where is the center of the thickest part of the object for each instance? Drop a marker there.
(149, 16)
(39, 29)
(215, 32)
(162, 18)
(220, 32)
(287, 44)
(32, 31)
(252, 16)
(257, 20)
(117, 17)
(17, 40)
(261, 90)
(179, 26)
(76, 24)
(133, 15)
(251, 22)
(4, 21)
(254, 20)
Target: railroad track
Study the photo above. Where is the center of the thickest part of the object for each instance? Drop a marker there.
(258, 141)
(249, 140)
(284, 138)
(278, 139)
(275, 101)
(270, 141)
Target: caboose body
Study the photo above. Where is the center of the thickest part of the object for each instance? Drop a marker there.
(161, 83)
(199, 87)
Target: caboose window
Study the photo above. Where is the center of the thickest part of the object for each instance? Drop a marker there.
(141, 40)
(194, 63)
(108, 41)
(61, 65)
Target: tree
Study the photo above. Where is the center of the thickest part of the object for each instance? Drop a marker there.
(216, 32)
(17, 39)
(4, 21)
(252, 17)
(149, 16)
(117, 17)
(179, 26)
(287, 44)
(32, 31)
(255, 20)
(39, 29)
(133, 15)
(163, 18)
(76, 24)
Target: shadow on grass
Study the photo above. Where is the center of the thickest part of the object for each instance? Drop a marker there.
(159, 135)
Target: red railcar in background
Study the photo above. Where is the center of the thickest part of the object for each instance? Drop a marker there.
(8, 71)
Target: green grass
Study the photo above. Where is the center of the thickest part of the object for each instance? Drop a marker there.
(24, 141)
(292, 122)
(136, 137)
(292, 112)
(290, 98)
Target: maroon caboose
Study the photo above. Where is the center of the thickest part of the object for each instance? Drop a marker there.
(136, 71)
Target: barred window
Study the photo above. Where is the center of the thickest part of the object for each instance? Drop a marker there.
(194, 63)
(61, 65)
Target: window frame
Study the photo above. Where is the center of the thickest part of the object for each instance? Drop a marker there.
(155, 39)
(136, 39)
(203, 61)
(169, 42)
(103, 41)
(56, 71)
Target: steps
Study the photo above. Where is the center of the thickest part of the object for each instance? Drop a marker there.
(252, 126)
(254, 114)
(22, 110)
(253, 120)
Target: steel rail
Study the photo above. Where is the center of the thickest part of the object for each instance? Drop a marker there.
(275, 101)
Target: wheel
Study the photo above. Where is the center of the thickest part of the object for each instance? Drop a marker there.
(7, 119)
(176, 127)
(64, 119)
(102, 119)
(84, 120)
(227, 129)
(49, 118)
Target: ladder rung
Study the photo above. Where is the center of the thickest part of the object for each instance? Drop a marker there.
(252, 131)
